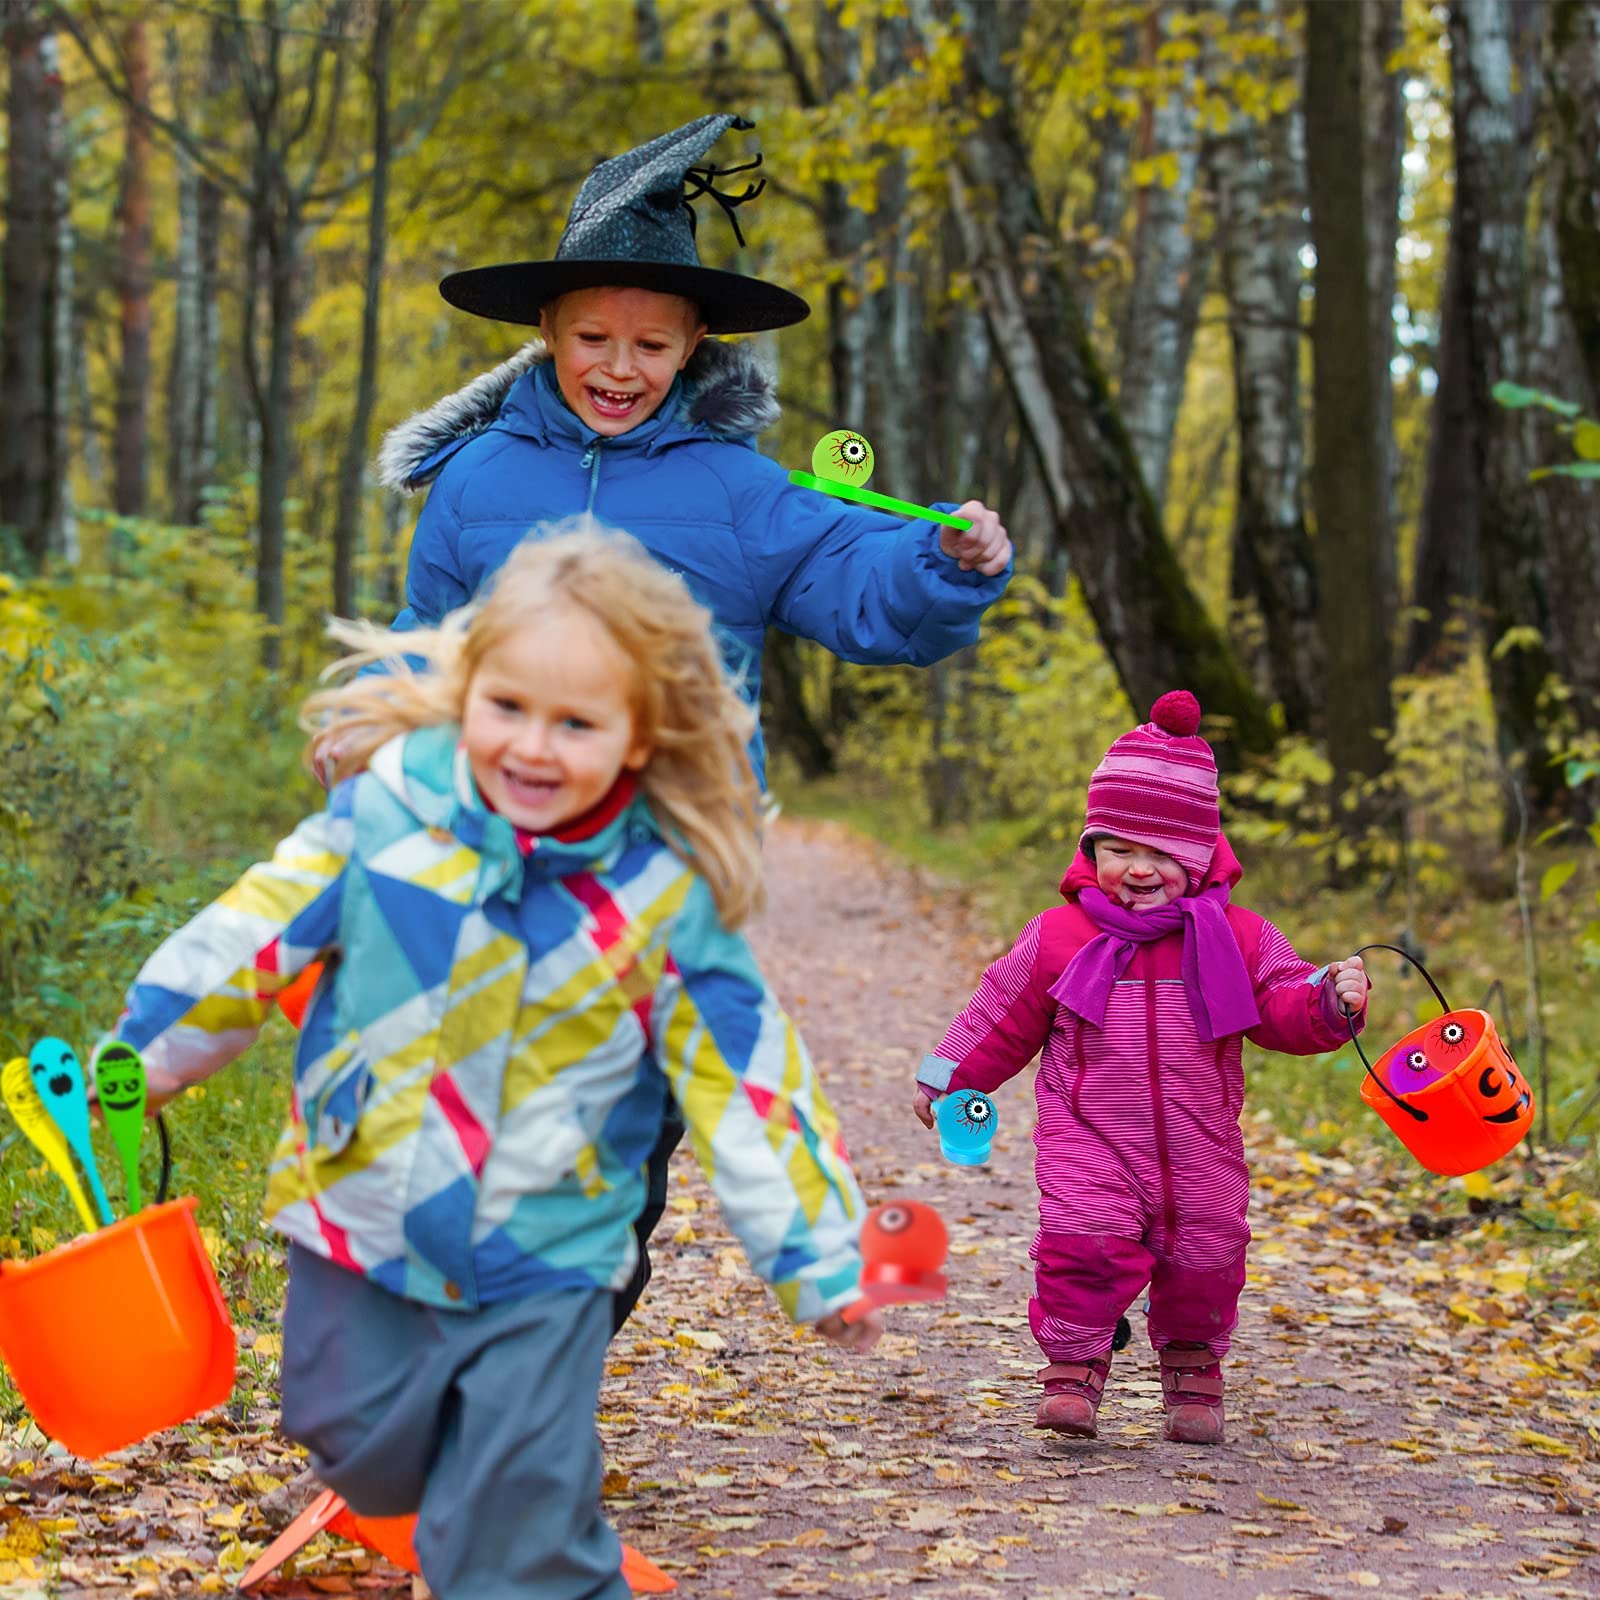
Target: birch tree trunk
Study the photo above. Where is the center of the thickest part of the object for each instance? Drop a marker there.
(1575, 100)
(1158, 328)
(1492, 226)
(1258, 169)
(1447, 579)
(30, 242)
(352, 471)
(1151, 621)
(192, 366)
(1447, 585)
(131, 441)
(1347, 474)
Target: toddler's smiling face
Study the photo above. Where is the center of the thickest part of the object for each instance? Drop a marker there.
(1135, 875)
(617, 351)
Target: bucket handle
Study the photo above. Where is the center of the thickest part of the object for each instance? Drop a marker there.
(1350, 1022)
(166, 1159)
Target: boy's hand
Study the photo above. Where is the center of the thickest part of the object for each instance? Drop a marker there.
(856, 1336)
(1350, 983)
(923, 1107)
(985, 545)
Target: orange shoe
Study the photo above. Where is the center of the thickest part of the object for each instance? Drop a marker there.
(1192, 1390)
(1072, 1391)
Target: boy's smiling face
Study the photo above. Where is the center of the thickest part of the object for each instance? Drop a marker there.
(616, 352)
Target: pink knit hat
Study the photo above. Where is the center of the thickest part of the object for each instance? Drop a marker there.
(1157, 786)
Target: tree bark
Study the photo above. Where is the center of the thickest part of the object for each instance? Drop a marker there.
(1151, 621)
(352, 471)
(648, 37)
(1258, 169)
(1347, 474)
(1113, 151)
(1382, 33)
(191, 372)
(1157, 333)
(1492, 225)
(1575, 101)
(1568, 508)
(30, 268)
(1446, 584)
(61, 538)
(133, 284)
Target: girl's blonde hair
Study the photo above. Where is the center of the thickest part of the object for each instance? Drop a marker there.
(698, 780)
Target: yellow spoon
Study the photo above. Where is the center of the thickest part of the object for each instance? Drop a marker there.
(22, 1099)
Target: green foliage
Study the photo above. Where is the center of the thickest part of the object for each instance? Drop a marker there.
(1023, 724)
(148, 759)
(1584, 432)
(1435, 814)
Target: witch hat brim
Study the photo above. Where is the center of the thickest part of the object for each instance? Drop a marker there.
(516, 291)
(632, 226)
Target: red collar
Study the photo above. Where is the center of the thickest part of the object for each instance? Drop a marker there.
(586, 824)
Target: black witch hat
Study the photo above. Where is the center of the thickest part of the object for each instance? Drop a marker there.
(633, 225)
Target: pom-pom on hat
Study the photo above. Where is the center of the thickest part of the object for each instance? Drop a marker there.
(1157, 786)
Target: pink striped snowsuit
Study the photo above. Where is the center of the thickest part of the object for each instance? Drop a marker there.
(1140, 1164)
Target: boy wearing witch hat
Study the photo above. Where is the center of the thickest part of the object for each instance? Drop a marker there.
(632, 411)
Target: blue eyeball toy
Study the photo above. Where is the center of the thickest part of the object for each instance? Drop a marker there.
(967, 1121)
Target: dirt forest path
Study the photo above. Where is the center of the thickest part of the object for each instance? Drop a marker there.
(1403, 1419)
(1377, 1439)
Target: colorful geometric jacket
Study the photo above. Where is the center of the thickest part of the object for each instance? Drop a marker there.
(482, 1072)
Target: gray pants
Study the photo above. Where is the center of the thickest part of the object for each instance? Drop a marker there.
(480, 1422)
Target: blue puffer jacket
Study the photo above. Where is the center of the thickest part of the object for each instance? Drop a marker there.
(506, 453)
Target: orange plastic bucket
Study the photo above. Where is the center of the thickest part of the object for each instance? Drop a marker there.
(395, 1539)
(1474, 1112)
(119, 1333)
(1449, 1090)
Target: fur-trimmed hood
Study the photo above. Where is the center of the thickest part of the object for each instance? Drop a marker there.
(725, 390)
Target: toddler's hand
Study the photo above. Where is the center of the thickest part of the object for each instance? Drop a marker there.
(855, 1336)
(1350, 983)
(923, 1106)
(985, 545)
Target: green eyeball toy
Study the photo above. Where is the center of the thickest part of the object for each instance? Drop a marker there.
(842, 457)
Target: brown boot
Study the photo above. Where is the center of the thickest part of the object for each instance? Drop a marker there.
(1072, 1391)
(1192, 1390)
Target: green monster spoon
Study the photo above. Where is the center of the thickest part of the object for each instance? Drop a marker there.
(120, 1087)
(842, 462)
(16, 1086)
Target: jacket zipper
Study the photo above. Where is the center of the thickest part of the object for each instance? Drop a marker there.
(1169, 1207)
(591, 460)
(1083, 1067)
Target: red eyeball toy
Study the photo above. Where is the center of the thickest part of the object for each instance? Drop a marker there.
(903, 1245)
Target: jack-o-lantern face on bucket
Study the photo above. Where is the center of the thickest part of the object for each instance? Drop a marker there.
(1504, 1094)
(1466, 1102)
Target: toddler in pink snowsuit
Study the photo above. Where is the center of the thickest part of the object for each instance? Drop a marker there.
(1139, 991)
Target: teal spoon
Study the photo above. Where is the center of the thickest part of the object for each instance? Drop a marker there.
(119, 1085)
(58, 1077)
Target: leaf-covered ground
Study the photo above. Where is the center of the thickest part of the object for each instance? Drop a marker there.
(1414, 1415)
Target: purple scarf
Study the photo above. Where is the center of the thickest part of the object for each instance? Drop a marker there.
(1214, 976)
